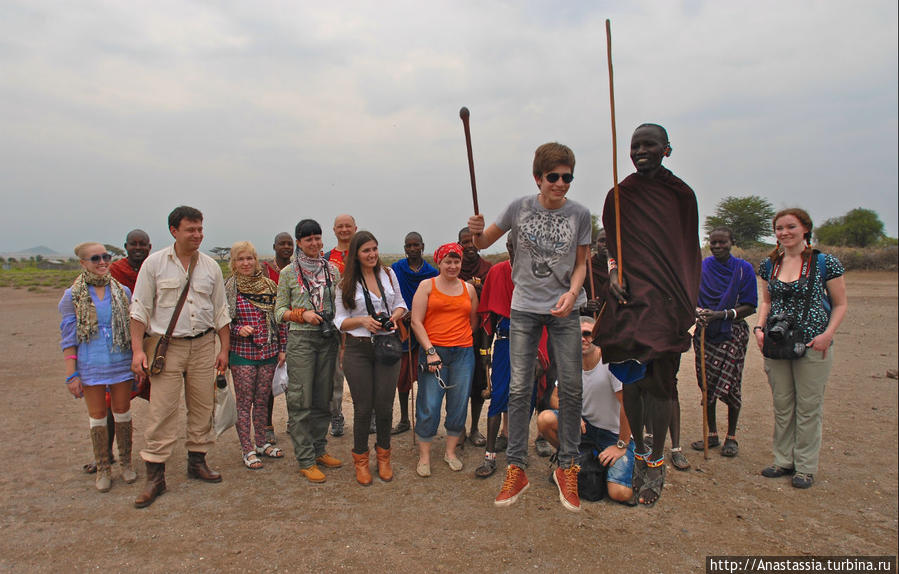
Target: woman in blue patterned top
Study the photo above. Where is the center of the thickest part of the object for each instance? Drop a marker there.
(96, 344)
(794, 274)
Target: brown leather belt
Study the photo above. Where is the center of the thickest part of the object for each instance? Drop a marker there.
(197, 336)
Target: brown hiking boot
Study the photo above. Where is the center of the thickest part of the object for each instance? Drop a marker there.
(197, 468)
(154, 486)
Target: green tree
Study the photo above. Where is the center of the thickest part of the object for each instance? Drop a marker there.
(595, 224)
(222, 253)
(858, 228)
(117, 252)
(749, 218)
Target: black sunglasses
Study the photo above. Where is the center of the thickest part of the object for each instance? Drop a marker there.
(105, 257)
(587, 334)
(553, 177)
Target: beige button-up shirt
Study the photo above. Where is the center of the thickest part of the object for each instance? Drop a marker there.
(159, 285)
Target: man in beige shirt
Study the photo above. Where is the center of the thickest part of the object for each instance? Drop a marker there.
(191, 361)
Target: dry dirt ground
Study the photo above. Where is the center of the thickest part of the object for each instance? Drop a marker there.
(53, 520)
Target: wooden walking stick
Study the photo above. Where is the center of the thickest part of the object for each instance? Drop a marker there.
(463, 113)
(614, 155)
(705, 396)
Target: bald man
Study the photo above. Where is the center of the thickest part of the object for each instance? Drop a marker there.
(137, 247)
(344, 229)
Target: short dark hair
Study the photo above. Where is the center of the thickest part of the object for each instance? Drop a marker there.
(723, 229)
(307, 227)
(662, 131)
(184, 212)
(463, 230)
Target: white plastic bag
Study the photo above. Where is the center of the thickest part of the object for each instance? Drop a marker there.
(224, 416)
(279, 381)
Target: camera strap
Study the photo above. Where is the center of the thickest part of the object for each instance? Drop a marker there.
(368, 304)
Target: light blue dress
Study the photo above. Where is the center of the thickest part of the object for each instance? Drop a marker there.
(99, 363)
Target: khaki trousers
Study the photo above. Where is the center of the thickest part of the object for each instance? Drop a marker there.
(189, 365)
(310, 385)
(797, 387)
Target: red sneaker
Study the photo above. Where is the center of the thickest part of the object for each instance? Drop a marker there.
(566, 480)
(514, 485)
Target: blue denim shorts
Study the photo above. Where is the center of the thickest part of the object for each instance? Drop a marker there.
(622, 472)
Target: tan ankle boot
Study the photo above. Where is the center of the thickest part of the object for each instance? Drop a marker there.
(100, 442)
(363, 474)
(385, 471)
(123, 433)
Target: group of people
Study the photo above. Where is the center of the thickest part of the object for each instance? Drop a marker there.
(592, 343)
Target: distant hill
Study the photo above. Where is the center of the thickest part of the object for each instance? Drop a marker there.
(41, 250)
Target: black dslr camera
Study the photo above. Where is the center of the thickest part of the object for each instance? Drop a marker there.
(779, 326)
(384, 320)
(327, 325)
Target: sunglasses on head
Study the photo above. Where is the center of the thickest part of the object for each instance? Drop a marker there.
(105, 257)
(587, 334)
(553, 177)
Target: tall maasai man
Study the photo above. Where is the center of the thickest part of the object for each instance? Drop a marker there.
(644, 328)
(344, 229)
(409, 273)
(474, 270)
(137, 247)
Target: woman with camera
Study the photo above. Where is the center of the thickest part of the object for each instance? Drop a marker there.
(727, 294)
(258, 345)
(803, 303)
(369, 306)
(444, 314)
(306, 302)
(96, 345)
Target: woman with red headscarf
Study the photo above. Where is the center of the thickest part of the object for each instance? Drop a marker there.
(444, 314)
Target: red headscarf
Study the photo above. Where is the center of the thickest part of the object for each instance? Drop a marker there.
(445, 250)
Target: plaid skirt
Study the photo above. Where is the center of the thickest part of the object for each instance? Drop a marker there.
(723, 365)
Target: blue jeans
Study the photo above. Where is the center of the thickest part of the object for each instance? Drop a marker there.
(456, 371)
(524, 337)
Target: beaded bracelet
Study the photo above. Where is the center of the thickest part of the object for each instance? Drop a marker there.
(72, 377)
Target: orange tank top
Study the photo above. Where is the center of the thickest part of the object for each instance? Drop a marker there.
(448, 319)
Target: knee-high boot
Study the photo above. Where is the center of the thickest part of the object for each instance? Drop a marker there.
(123, 432)
(100, 442)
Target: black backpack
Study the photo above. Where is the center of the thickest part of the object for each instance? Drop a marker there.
(591, 480)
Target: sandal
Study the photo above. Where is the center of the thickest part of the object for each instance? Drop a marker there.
(251, 461)
(639, 477)
(730, 448)
(679, 459)
(713, 442)
(270, 451)
(487, 468)
(477, 439)
(653, 486)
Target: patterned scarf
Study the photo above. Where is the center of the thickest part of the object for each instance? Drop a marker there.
(315, 271)
(86, 314)
(260, 291)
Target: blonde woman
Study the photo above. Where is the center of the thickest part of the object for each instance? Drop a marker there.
(258, 344)
(96, 346)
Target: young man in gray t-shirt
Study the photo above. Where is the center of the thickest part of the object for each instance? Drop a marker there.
(551, 239)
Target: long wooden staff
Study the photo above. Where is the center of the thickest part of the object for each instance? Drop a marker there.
(705, 396)
(463, 113)
(614, 154)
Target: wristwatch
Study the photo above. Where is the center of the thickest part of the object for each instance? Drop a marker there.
(758, 328)
(621, 444)
(430, 351)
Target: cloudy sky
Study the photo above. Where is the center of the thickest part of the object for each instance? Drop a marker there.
(263, 113)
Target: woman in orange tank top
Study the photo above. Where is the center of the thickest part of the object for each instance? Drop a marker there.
(444, 314)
